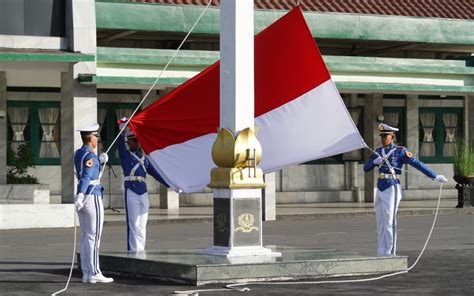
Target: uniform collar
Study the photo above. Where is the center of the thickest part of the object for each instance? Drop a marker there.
(88, 148)
(391, 146)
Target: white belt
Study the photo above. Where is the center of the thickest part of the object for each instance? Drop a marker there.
(135, 178)
(386, 176)
(94, 182)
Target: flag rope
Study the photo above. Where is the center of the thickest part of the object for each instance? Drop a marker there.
(73, 255)
(159, 76)
(121, 131)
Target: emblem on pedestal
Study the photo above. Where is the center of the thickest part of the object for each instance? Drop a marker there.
(221, 222)
(246, 223)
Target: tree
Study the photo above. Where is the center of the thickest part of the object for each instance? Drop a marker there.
(19, 162)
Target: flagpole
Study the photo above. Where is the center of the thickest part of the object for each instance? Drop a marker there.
(237, 181)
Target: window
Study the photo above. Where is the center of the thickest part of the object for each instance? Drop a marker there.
(36, 124)
(108, 114)
(33, 17)
(439, 129)
(395, 116)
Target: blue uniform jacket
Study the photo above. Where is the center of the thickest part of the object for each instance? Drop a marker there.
(87, 169)
(399, 157)
(128, 162)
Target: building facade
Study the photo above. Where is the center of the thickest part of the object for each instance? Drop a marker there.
(67, 63)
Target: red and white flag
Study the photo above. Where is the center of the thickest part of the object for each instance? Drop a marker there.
(297, 107)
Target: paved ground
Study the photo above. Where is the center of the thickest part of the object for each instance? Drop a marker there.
(296, 211)
(35, 262)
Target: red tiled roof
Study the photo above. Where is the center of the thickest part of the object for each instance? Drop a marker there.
(457, 9)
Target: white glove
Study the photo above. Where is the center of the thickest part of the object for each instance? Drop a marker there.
(79, 201)
(378, 161)
(103, 158)
(441, 179)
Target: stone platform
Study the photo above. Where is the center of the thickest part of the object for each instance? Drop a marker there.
(191, 268)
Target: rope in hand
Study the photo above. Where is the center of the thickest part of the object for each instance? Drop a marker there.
(236, 287)
(122, 130)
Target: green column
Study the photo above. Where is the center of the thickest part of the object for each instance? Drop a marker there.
(373, 106)
(413, 133)
(469, 117)
(78, 109)
(3, 128)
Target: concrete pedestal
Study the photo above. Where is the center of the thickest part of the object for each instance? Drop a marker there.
(192, 268)
(238, 224)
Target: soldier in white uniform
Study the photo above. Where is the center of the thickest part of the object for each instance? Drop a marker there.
(390, 159)
(135, 168)
(88, 202)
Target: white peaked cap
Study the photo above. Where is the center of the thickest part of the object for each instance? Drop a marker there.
(387, 129)
(90, 128)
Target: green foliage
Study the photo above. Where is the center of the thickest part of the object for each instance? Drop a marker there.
(17, 171)
(463, 158)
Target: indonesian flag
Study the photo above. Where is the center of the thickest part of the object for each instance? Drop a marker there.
(298, 109)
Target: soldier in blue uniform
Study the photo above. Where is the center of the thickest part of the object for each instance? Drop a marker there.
(390, 159)
(135, 168)
(88, 203)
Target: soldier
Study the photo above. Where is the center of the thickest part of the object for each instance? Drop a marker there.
(135, 167)
(390, 159)
(88, 202)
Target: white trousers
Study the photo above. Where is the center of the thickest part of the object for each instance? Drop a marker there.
(137, 207)
(386, 207)
(91, 218)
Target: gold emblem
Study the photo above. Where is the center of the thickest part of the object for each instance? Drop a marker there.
(409, 154)
(221, 222)
(89, 163)
(246, 221)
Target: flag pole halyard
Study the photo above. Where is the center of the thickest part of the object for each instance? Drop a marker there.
(159, 76)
